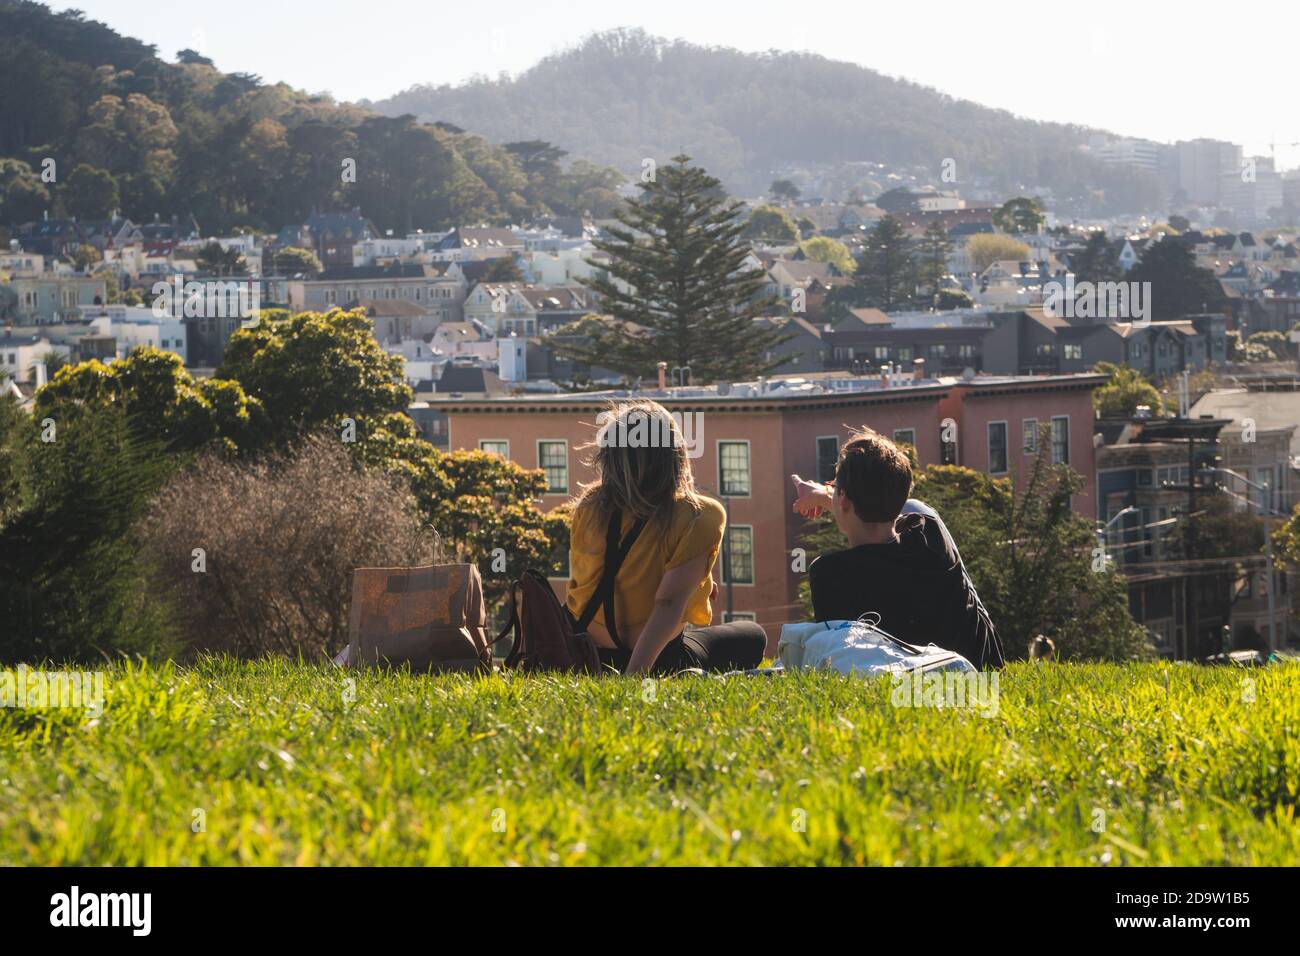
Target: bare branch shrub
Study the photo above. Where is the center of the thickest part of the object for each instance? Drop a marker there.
(280, 538)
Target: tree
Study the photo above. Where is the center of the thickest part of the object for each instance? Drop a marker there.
(71, 587)
(90, 193)
(1180, 223)
(215, 259)
(23, 197)
(950, 299)
(167, 408)
(1126, 390)
(1179, 286)
(1020, 215)
(826, 249)
(985, 249)
(314, 370)
(677, 287)
(771, 225)
(86, 256)
(886, 277)
(502, 269)
(1097, 261)
(1268, 346)
(933, 250)
(292, 260)
(783, 190)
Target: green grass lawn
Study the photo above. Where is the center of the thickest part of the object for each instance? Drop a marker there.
(1173, 765)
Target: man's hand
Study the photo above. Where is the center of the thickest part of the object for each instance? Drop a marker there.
(811, 498)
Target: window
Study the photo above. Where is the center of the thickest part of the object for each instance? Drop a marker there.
(733, 468)
(553, 459)
(997, 448)
(739, 616)
(738, 555)
(1144, 477)
(881, 353)
(1074, 351)
(1029, 435)
(904, 354)
(905, 435)
(828, 456)
(496, 446)
(1061, 440)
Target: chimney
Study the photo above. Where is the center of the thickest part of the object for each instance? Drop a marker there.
(884, 376)
(663, 376)
(918, 369)
(40, 374)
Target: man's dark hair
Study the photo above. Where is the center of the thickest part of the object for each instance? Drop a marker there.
(875, 475)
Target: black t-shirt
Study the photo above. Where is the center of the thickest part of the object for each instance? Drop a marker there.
(917, 584)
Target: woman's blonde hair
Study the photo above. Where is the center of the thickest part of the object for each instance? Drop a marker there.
(641, 464)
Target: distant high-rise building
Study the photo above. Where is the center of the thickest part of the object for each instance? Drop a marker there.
(1203, 164)
(1252, 191)
(1136, 153)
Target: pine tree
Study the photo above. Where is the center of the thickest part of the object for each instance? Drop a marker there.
(932, 257)
(887, 273)
(676, 287)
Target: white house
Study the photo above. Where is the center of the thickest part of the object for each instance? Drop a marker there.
(20, 354)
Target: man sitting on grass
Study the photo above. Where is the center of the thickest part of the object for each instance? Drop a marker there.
(901, 563)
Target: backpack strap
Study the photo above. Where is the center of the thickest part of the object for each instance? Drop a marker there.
(512, 625)
(615, 554)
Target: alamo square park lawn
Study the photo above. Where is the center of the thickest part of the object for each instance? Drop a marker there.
(1081, 765)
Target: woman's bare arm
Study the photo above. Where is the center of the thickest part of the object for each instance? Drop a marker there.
(665, 621)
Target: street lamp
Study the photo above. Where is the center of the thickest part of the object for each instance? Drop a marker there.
(1103, 530)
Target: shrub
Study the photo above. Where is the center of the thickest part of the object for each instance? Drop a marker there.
(72, 586)
(280, 538)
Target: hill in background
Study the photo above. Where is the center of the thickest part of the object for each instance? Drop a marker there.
(623, 95)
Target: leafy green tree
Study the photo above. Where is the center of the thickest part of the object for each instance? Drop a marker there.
(292, 260)
(826, 249)
(676, 285)
(771, 225)
(1097, 261)
(90, 193)
(167, 408)
(783, 190)
(1178, 285)
(886, 277)
(86, 256)
(950, 299)
(23, 197)
(314, 370)
(214, 259)
(503, 269)
(1269, 346)
(985, 249)
(1126, 390)
(1019, 216)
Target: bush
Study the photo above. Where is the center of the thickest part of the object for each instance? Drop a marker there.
(72, 586)
(280, 538)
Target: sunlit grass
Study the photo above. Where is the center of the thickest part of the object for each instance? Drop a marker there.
(289, 764)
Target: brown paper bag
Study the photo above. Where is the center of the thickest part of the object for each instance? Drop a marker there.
(431, 619)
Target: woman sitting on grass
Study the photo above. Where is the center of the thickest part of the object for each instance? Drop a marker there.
(664, 589)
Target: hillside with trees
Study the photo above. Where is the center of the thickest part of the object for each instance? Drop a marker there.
(92, 121)
(623, 95)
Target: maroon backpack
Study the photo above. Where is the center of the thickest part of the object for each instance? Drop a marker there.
(546, 635)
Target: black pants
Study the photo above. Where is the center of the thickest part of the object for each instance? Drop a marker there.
(720, 647)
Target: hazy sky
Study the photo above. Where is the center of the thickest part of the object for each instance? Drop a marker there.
(1164, 69)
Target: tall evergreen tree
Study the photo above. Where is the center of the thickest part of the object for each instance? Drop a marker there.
(676, 285)
(886, 276)
(1097, 262)
(932, 257)
(1178, 285)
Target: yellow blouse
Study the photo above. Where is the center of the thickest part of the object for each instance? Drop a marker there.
(689, 536)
